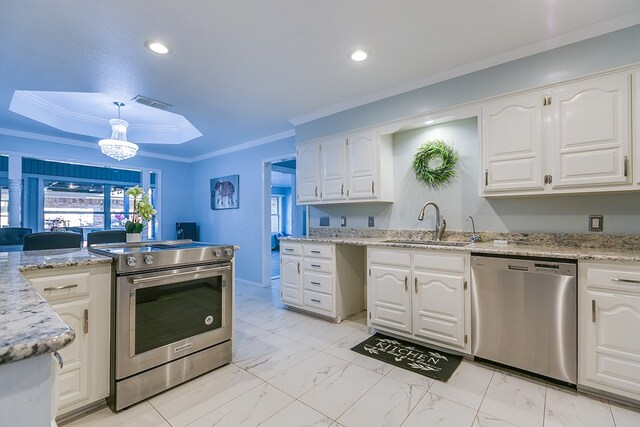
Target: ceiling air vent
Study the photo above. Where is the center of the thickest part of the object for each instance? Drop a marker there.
(151, 102)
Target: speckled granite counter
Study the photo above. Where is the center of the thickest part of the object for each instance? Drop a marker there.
(28, 325)
(548, 251)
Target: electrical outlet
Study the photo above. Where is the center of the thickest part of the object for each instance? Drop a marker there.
(596, 222)
(324, 221)
(343, 221)
(370, 221)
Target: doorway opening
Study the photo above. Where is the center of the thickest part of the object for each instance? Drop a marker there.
(282, 216)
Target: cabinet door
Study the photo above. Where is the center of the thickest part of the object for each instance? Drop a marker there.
(73, 380)
(308, 172)
(610, 350)
(512, 144)
(363, 166)
(390, 298)
(438, 307)
(592, 132)
(290, 279)
(333, 169)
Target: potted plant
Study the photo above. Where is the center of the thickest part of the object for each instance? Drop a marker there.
(142, 211)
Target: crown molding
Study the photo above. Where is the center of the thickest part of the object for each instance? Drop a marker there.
(33, 105)
(83, 144)
(90, 145)
(528, 50)
(245, 145)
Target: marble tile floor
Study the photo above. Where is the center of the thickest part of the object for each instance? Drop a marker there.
(291, 370)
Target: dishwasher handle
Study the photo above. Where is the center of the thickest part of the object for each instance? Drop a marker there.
(518, 267)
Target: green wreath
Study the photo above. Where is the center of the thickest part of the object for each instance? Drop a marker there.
(434, 163)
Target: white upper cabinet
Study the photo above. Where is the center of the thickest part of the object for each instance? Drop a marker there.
(591, 132)
(333, 169)
(354, 168)
(362, 165)
(308, 173)
(569, 138)
(512, 143)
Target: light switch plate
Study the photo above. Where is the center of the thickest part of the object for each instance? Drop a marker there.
(343, 221)
(596, 222)
(371, 221)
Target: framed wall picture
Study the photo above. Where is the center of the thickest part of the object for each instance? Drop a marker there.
(225, 192)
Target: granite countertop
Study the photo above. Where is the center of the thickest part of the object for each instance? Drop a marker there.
(547, 251)
(28, 325)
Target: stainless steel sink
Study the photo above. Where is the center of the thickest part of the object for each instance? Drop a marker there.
(426, 242)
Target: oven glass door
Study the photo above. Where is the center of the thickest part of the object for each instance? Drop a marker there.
(166, 315)
(170, 313)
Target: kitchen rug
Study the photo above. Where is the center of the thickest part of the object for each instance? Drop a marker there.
(412, 357)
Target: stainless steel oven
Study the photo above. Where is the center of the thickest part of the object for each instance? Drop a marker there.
(165, 315)
(171, 315)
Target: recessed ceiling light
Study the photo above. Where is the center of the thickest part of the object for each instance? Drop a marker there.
(359, 55)
(158, 47)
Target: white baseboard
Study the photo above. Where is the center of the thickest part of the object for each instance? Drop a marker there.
(252, 283)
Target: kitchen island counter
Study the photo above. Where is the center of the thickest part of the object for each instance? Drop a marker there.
(28, 325)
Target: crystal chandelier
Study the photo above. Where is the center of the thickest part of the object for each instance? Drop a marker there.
(117, 146)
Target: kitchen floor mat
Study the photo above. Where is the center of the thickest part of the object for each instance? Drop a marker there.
(412, 357)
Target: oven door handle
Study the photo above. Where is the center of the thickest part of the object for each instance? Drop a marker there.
(143, 280)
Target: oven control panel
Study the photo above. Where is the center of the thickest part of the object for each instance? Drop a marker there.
(150, 257)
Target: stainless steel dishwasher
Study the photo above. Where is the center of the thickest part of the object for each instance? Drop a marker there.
(524, 314)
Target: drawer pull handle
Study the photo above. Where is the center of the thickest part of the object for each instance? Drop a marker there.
(593, 311)
(636, 282)
(315, 265)
(59, 358)
(315, 252)
(288, 249)
(415, 282)
(298, 268)
(315, 283)
(406, 283)
(59, 288)
(315, 300)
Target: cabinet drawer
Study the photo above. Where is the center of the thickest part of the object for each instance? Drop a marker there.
(398, 257)
(625, 279)
(439, 261)
(318, 301)
(64, 286)
(318, 282)
(312, 264)
(318, 251)
(290, 249)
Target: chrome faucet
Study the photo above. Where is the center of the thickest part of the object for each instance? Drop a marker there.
(440, 225)
(474, 236)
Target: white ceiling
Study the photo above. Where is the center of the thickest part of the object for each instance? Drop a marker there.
(244, 70)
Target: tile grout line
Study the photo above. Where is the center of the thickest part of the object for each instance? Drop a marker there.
(486, 391)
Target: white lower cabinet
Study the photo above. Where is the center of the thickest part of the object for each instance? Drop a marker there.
(609, 315)
(290, 279)
(81, 296)
(324, 279)
(420, 294)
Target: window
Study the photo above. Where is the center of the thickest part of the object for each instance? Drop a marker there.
(68, 204)
(82, 205)
(276, 213)
(4, 206)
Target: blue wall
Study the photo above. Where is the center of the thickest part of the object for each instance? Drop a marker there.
(242, 226)
(587, 57)
(176, 178)
(517, 214)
